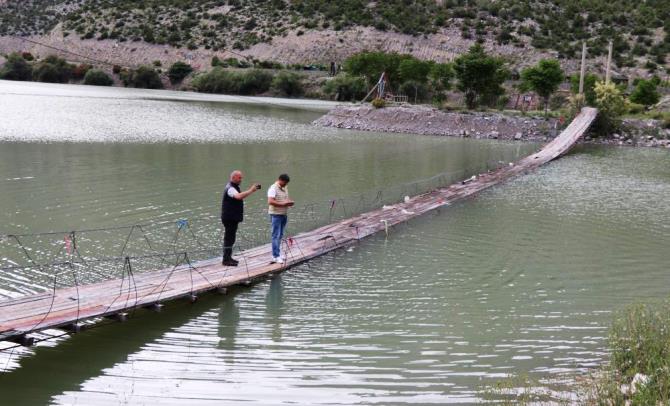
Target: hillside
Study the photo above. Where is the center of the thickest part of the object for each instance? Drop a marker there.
(276, 29)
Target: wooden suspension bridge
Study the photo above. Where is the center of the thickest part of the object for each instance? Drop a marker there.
(67, 308)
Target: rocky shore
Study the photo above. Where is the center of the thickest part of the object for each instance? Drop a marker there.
(480, 125)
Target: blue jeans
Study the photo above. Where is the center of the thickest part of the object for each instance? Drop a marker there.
(278, 225)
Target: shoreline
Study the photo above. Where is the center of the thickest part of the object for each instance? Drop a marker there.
(426, 120)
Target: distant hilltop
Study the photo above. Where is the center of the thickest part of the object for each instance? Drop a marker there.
(319, 31)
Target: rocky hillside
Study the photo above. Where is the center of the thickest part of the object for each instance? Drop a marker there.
(286, 30)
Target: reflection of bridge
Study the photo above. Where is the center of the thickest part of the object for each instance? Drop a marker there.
(68, 307)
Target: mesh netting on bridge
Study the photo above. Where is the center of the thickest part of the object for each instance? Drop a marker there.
(42, 262)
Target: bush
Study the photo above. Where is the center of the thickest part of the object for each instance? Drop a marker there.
(145, 77)
(178, 71)
(219, 80)
(52, 69)
(16, 68)
(378, 103)
(645, 93)
(345, 87)
(96, 77)
(288, 84)
(611, 105)
(80, 71)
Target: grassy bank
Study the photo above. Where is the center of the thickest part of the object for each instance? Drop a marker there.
(637, 373)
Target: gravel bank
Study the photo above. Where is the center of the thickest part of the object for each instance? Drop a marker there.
(427, 120)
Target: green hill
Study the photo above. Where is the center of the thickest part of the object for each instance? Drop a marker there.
(640, 30)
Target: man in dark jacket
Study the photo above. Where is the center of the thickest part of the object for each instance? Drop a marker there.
(232, 213)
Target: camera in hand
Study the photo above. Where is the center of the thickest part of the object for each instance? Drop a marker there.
(258, 187)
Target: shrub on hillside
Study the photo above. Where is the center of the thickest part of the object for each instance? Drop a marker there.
(145, 77)
(96, 77)
(645, 93)
(345, 87)
(16, 68)
(52, 69)
(79, 71)
(288, 84)
(219, 80)
(178, 71)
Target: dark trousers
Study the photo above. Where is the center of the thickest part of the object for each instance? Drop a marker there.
(229, 233)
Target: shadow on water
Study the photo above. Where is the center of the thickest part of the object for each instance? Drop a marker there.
(83, 356)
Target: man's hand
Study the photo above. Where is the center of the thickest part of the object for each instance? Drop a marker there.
(253, 188)
(290, 203)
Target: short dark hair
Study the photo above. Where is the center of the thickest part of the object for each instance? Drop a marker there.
(284, 177)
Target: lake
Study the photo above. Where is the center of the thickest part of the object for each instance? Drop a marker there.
(521, 280)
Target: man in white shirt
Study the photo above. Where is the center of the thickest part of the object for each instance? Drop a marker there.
(278, 204)
(232, 213)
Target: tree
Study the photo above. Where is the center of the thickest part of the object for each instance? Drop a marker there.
(146, 77)
(480, 76)
(178, 71)
(96, 77)
(543, 78)
(16, 68)
(412, 69)
(645, 93)
(440, 76)
(371, 65)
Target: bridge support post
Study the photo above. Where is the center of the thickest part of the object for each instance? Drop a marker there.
(23, 340)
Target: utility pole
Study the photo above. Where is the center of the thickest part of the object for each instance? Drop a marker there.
(583, 71)
(609, 62)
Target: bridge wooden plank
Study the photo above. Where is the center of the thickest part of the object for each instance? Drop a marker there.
(46, 310)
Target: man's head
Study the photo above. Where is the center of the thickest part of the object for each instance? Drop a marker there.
(236, 177)
(283, 180)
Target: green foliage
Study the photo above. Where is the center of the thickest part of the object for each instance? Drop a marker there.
(52, 69)
(372, 64)
(16, 68)
(145, 77)
(178, 71)
(611, 106)
(288, 84)
(639, 341)
(345, 87)
(645, 93)
(79, 71)
(480, 76)
(96, 77)
(416, 91)
(441, 75)
(543, 78)
(589, 85)
(378, 103)
(412, 69)
(219, 80)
